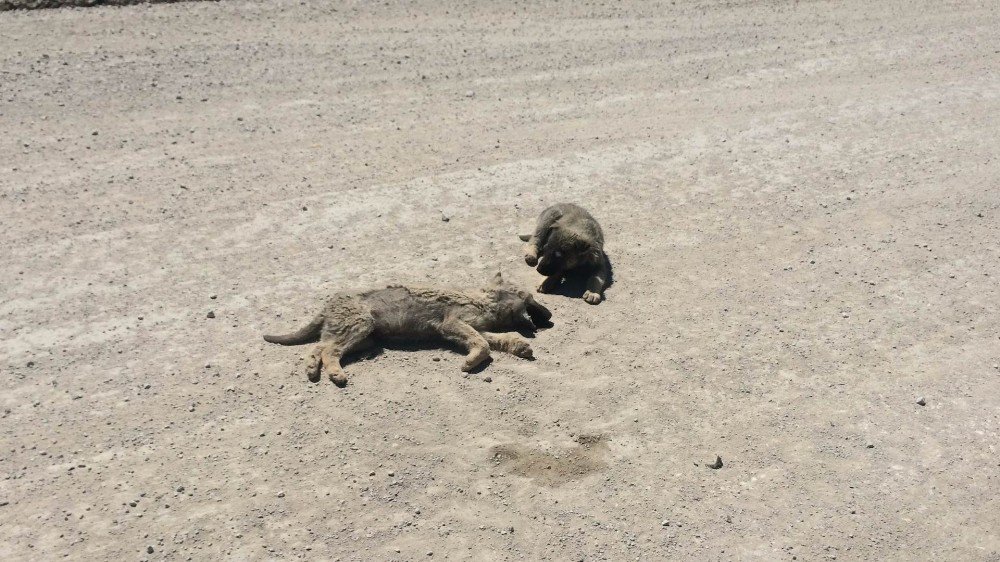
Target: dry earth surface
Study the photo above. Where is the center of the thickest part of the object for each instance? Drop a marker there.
(801, 202)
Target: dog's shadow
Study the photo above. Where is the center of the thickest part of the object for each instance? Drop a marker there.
(575, 283)
(452, 351)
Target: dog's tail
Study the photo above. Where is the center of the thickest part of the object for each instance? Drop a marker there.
(524, 237)
(308, 333)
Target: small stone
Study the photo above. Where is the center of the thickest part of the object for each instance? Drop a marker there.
(281, 494)
(180, 489)
(391, 473)
(149, 549)
(445, 218)
(488, 379)
(717, 464)
(870, 445)
(470, 94)
(31, 364)
(665, 523)
(213, 297)
(211, 314)
(430, 553)
(921, 401)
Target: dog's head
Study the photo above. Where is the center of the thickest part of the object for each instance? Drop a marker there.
(518, 306)
(561, 250)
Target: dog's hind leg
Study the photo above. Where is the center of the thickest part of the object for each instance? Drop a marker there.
(333, 351)
(315, 362)
(458, 332)
(509, 343)
(349, 327)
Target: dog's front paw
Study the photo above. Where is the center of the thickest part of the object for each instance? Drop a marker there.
(522, 349)
(592, 298)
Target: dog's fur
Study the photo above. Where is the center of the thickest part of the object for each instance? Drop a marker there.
(568, 238)
(470, 319)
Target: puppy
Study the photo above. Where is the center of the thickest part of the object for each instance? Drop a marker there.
(568, 238)
(470, 319)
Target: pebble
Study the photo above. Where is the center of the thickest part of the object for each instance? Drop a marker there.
(281, 494)
(149, 549)
(870, 445)
(921, 401)
(717, 464)
(665, 523)
(211, 314)
(180, 489)
(488, 379)
(392, 473)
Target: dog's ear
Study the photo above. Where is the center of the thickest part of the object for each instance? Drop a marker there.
(540, 316)
(541, 242)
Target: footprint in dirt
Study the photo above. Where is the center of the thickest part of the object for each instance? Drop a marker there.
(556, 468)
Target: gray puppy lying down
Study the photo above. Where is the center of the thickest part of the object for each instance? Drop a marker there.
(567, 238)
(471, 319)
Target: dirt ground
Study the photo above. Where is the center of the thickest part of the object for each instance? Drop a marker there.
(801, 202)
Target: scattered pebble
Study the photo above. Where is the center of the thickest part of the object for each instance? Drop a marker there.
(665, 523)
(281, 494)
(211, 314)
(921, 401)
(717, 464)
(488, 379)
(149, 549)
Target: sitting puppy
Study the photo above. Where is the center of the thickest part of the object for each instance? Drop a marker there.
(352, 321)
(568, 238)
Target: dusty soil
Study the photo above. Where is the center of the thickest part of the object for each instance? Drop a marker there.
(39, 4)
(801, 203)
